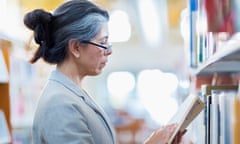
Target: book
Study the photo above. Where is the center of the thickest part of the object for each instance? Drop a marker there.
(222, 116)
(187, 112)
(193, 33)
(226, 110)
(215, 118)
(236, 121)
(207, 111)
(206, 91)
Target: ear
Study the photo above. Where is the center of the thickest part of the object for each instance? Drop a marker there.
(74, 48)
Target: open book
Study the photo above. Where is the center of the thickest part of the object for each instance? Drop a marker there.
(187, 112)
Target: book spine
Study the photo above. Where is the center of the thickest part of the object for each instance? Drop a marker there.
(193, 33)
(226, 102)
(214, 123)
(208, 118)
(236, 125)
(236, 121)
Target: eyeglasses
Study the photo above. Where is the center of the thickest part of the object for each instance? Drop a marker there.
(107, 48)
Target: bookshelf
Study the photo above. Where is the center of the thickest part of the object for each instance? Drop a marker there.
(225, 61)
(3, 69)
(223, 65)
(4, 86)
(214, 62)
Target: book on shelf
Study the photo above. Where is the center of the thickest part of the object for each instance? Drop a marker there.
(206, 120)
(193, 34)
(236, 117)
(226, 115)
(187, 112)
(206, 91)
(222, 116)
(215, 117)
(236, 123)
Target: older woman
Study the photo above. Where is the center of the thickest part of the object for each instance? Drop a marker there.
(74, 38)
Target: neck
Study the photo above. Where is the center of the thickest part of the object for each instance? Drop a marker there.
(71, 72)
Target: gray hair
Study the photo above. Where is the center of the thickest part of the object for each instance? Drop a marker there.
(82, 29)
(75, 19)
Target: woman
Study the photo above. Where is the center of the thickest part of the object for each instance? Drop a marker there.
(75, 38)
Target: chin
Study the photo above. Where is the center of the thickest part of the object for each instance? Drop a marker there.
(96, 73)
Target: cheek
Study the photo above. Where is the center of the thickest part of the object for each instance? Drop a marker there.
(91, 58)
(94, 66)
(94, 58)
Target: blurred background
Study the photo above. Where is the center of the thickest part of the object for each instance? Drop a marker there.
(144, 82)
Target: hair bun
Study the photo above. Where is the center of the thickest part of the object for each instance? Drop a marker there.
(36, 17)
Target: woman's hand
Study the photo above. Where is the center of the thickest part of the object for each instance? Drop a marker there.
(162, 135)
(178, 137)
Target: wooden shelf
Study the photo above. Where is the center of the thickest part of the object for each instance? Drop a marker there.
(3, 69)
(227, 60)
(5, 47)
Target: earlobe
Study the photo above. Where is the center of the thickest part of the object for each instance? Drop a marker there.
(77, 56)
(74, 48)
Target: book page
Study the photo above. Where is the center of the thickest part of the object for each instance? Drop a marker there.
(188, 110)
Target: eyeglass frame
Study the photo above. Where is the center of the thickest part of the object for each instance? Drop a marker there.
(107, 48)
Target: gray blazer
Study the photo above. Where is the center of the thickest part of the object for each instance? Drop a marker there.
(67, 115)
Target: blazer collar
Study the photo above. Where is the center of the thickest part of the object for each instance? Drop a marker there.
(69, 84)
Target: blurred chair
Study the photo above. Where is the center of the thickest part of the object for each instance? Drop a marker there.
(129, 128)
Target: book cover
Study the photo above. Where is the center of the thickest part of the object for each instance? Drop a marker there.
(187, 112)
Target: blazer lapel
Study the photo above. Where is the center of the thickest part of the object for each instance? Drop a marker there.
(61, 78)
(89, 101)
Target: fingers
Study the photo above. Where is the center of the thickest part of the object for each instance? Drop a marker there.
(162, 135)
(178, 137)
(165, 132)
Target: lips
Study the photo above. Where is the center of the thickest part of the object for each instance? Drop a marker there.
(104, 64)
